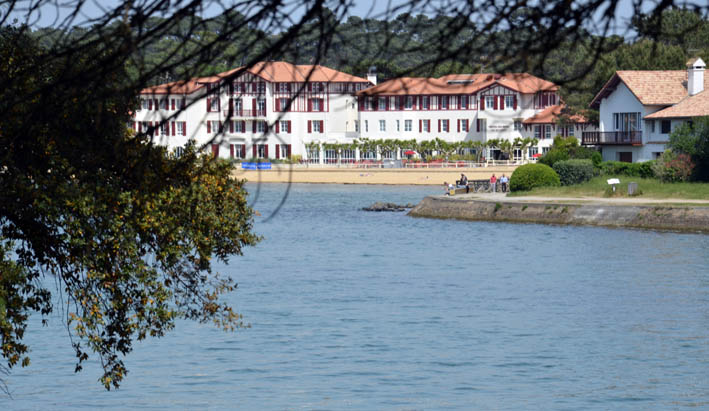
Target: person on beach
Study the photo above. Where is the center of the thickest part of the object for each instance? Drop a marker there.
(463, 182)
(447, 187)
(503, 181)
(493, 182)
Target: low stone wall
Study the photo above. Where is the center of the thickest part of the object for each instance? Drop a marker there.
(693, 219)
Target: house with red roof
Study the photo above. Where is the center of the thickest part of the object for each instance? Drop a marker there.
(639, 109)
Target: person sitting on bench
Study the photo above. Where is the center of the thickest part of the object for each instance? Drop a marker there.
(463, 182)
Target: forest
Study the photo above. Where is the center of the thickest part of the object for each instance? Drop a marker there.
(419, 45)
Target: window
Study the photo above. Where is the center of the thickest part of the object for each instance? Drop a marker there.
(261, 104)
(652, 126)
(427, 126)
(382, 125)
(239, 127)
(398, 125)
(316, 127)
(463, 102)
(261, 87)
(165, 129)
(409, 103)
(388, 155)
(347, 155)
(627, 121)
(509, 102)
(425, 102)
(164, 104)
(545, 150)
(237, 88)
(180, 103)
(368, 155)
(283, 104)
(331, 156)
(237, 105)
(239, 150)
(214, 126)
(144, 104)
(382, 104)
(518, 125)
(178, 151)
(532, 151)
(282, 87)
(315, 104)
(314, 154)
(464, 125)
(262, 151)
(570, 130)
(283, 126)
(366, 126)
(538, 132)
(445, 126)
(665, 126)
(357, 125)
(407, 125)
(284, 150)
(214, 104)
(316, 87)
(370, 103)
(180, 128)
(444, 103)
(261, 126)
(547, 131)
(489, 102)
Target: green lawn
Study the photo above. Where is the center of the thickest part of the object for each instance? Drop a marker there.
(650, 188)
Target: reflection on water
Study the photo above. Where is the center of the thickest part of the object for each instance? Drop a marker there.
(361, 310)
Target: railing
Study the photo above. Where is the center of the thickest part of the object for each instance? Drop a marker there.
(245, 113)
(348, 163)
(612, 138)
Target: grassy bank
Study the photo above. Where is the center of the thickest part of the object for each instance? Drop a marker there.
(650, 188)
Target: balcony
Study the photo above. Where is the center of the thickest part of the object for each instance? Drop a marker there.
(612, 138)
(245, 113)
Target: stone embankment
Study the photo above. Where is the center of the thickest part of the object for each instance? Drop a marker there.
(380, 206)
(655, 216)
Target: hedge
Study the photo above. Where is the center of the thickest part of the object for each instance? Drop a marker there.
(574, 171)
(529, 176)
(614, 168)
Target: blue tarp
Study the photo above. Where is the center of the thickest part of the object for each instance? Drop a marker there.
(256, 166)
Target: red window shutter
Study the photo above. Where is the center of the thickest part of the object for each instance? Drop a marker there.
(215, 150)
(231, 126)
(265, 151)
(184, 128)
(482, 102)
(459, 125)
(322, 126)
(184, 102)
(155, 104)
(140, 126)
(254, 150)
(150, 104)
(243, 150)
(514, 102)
(231, 107)
(278, 152)
(174, 127)
(278, 104)
(135, 127)
(310, 126)
(502, 102)
(265, 126)
(253, 106)
(243, 126)
(477, 125)
(231, 150)
(361, 103)
(439, 125)
(288, 126)
(209, 100)
(173, 103)
(288, 150)
(253, 126)
(420, 126)
(494, 102)
(278, 129)
(322, 104)
(209, 126)
(310, 105)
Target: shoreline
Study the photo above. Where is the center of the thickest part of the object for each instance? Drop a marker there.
(661, 215)
(388, 176)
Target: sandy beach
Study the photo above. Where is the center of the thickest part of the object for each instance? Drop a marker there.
(396, 176)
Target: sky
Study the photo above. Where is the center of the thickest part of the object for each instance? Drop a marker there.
(47, 14)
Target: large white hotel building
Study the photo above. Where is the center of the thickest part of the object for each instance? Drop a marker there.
(277, 109)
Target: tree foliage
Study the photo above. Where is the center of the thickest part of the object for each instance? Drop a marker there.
(693, 141)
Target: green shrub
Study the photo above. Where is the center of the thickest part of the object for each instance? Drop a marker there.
(554, 155)
(581, 152)
(529, 176)
(597, 159)
(672, 167)
(615, 168)
(574, 171)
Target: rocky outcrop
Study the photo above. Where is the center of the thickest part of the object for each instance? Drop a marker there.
(379, 206)
(694, 219)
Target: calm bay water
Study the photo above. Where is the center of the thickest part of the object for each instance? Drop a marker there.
(359, 310)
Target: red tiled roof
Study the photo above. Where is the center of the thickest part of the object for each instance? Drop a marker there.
(460, 84)
(650, 87)
(693, 106)
(551, 114)
(271, 71)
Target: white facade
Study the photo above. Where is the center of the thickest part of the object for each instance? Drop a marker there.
(246, 117)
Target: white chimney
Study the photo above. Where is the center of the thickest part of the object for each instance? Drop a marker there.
(372, 75)
(695, 76)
